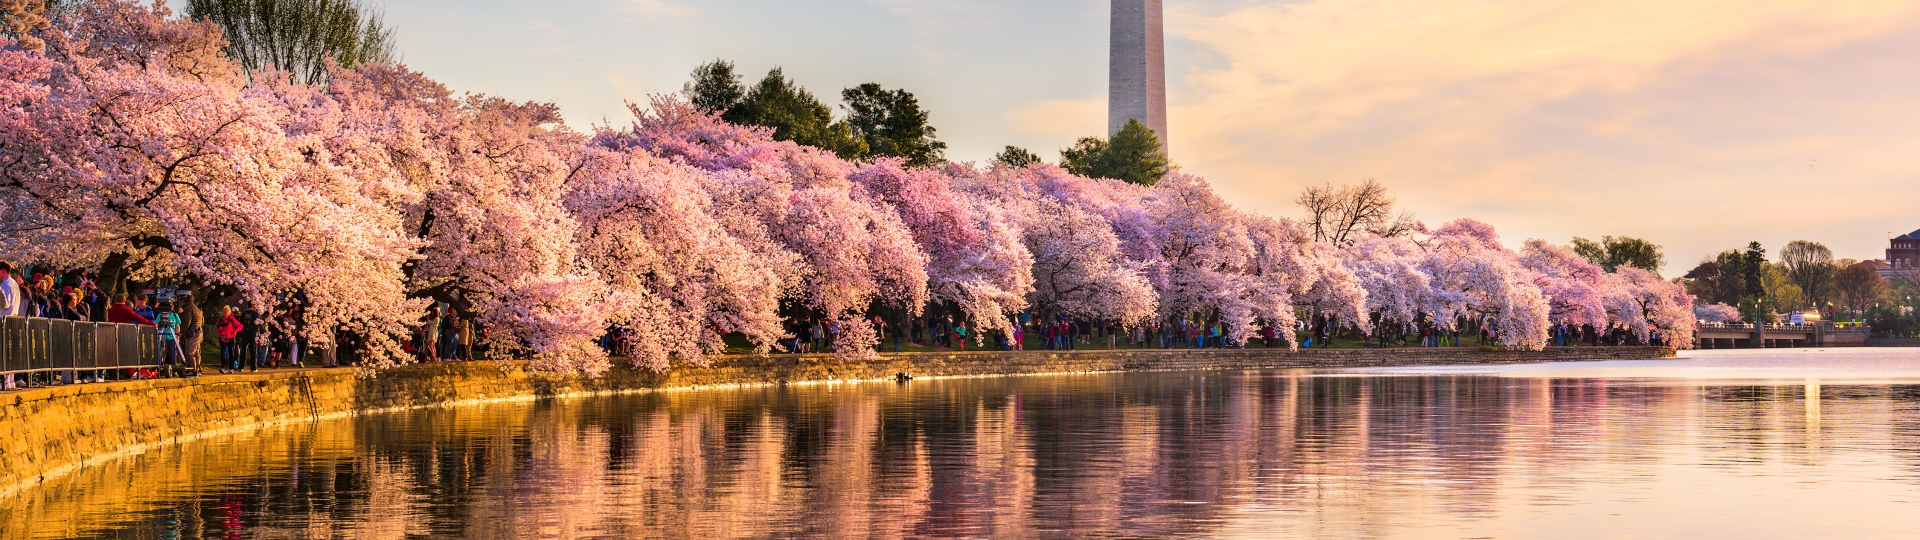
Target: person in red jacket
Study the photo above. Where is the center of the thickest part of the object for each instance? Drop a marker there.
(123, 313)
(230, 350)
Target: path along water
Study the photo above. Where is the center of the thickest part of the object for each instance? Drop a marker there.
(1774, 443)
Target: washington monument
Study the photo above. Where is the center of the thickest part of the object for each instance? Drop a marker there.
(1137, 68)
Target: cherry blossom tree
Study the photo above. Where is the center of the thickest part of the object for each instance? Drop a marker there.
(679, 280)
(1077, 264)
(1474, 277)
(1572, 285)
(489, 174)
(1389, 270)
(852, 249)
(975, 258)
(1640, 302)
(1315, 279)
(1078, 269)
(133, 146)
(1716, 313)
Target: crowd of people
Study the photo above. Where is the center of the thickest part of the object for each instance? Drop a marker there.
(246, 339)
(1066, 333)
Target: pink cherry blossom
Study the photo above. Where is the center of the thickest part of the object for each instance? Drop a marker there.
(1474, 277)
(132, 144)
(678, 279)
(1716, 313)
(1389, 270)
(1572, 284)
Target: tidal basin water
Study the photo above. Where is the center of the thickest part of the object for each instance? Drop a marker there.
(1719, 444)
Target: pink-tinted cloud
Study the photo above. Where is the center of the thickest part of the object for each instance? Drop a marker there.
(1699, 125)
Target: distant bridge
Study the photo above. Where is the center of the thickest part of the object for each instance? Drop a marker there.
(1757, 336)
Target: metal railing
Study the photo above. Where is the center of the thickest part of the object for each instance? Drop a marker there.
(1836, 329)
(35, 345)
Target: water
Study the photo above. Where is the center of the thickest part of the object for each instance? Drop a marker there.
(1720, 444)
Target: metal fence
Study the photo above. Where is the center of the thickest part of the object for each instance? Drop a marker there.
(36, 345)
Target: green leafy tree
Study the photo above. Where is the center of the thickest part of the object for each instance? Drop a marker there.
(1809, 266)
(299, 36)
(1611, 253)
(892, 124)
(1133, 154)
(715, 87)
(1083, 158)
(1725, 278)
(1782, 292)
(795, 115)
(1016, 157)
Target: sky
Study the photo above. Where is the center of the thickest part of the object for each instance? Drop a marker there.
(1699, 125)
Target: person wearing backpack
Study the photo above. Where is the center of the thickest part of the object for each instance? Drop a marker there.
(169, 330)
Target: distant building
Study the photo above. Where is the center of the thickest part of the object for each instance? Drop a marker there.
(1903, 253)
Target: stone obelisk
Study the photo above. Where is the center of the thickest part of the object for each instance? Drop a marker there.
(1137, 68)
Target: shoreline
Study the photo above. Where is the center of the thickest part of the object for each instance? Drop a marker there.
(51, 432)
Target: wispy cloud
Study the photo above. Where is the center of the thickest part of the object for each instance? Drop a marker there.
(558, 39)
(1560, 118)
(653, 9)
(1064, 118)
(936, 21)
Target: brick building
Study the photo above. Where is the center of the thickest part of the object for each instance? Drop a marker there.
(1904, 252)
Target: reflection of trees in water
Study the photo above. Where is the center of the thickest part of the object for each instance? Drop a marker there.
(1904, 430)
(1174, 454)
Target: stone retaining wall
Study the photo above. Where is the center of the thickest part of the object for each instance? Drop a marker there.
(50, 431)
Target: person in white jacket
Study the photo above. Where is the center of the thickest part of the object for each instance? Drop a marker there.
(11, 304)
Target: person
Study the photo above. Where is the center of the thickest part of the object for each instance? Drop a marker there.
(254, 336)
(816, 333)
(122, 313)
(1020, 331)
(169, 323)
(466, 337)
(450, 334)
(77, 308)
(247, 350)
(12, 304)
(231, 348)
(430, 343)
(97, 300)
(193, 328)
(833, 335)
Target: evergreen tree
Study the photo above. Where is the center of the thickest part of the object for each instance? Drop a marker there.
(1754, 264)
(795, 115)
(1016, 157)
(715, 87)
(299, 36)
(1133, 155)
(892, 124)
